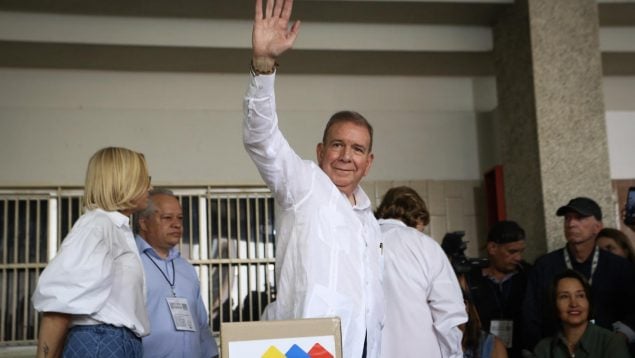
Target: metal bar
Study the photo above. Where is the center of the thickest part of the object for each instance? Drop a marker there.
(243, 252)
(53, 228)
(203, 242)
(260, 247)
(25, 287)
(4, 292)
(195, 250)
(14, 289)
(14, 307)
(231, 277)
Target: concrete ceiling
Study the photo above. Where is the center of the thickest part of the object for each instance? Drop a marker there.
(59, 53)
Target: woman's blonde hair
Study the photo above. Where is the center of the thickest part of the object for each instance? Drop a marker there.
(115, 177)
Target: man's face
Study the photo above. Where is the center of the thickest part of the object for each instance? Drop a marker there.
(345, 156)
(164, 228)
(579, 229)
(506, 257)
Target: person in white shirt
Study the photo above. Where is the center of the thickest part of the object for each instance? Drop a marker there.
(424, 303)
(92, 294)
(328, 252)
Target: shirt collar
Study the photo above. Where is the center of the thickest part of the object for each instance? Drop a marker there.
(116, 217)
(497, 281)
(392, 221)
(581, 343)
(362, 202)
(144, 247)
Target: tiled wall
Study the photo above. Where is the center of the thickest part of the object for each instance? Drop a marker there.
(453, 204)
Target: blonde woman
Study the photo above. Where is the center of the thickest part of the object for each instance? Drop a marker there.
(92, 294)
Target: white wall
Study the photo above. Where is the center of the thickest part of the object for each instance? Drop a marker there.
(620, 125)
(189, 125)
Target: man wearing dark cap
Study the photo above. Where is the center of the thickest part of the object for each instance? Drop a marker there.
(498, 289)
(611, 277)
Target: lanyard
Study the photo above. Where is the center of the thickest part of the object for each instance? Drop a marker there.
(164, 275)
(594, 263)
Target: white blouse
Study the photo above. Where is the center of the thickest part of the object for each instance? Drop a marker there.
(424, 303)
(97, 275)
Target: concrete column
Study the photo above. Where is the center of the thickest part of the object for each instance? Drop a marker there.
(554, 142)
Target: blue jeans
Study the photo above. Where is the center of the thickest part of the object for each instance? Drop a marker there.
(102, 341)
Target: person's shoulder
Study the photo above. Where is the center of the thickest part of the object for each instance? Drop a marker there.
(549, 259)
(94, 217)
(615, 259)
(427, 243)
(184, 265)
(475, 274)
(525, 266)
(91, 223)
(499, 350)
(615, 267)
(524, 269)
(427, 240)
(543, 347)
(604, 336)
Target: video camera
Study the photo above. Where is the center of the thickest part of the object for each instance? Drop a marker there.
(454, 247)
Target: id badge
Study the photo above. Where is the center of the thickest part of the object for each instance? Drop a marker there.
(503, 329)
(181, 315)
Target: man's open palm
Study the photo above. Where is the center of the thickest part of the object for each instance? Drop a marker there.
(271, 34)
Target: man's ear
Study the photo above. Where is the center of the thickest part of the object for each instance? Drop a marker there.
(599, 226)
(491, 246)
(143, 225)
(319, 153)
(371, 157)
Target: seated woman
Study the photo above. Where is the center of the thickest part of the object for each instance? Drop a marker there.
(577, 337)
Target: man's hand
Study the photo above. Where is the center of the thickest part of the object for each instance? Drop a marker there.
(271, 34)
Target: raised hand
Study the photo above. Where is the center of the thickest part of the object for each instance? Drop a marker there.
(271, 34)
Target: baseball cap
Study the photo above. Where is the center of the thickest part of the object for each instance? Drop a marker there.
(506, 231)
(583, 206)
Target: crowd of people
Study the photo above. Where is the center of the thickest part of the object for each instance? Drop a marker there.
(115, 291)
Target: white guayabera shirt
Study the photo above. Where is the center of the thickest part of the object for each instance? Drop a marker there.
(328, 254)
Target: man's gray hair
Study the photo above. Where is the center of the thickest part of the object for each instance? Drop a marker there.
(151, 208)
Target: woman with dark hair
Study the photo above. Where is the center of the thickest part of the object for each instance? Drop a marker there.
(577, 337)
(616, 242)
(423, 299)
(476, 342)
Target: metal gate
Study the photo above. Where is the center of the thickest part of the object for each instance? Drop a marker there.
(228, 235)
